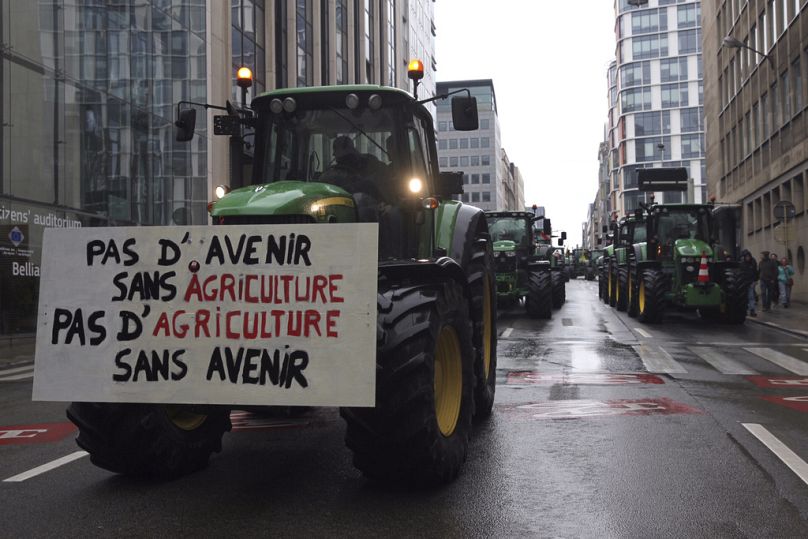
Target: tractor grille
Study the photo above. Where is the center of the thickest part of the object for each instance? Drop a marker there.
(505, 264)
(265, 220)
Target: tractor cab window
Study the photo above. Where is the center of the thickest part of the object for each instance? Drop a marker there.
(682, 224)
(639, 233)
(348, 148)
(509, 229)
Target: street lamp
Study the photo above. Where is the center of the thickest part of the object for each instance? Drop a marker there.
(735, 43)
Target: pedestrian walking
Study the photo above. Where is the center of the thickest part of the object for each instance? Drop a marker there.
(749, 271)
(776, 291)
(767, 270)
(785, 280)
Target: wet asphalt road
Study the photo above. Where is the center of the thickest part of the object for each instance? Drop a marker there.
(603, 427)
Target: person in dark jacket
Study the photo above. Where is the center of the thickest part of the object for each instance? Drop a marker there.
(749, 271)
(768, 279)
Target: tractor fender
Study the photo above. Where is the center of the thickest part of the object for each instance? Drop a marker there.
(648, 264)
(538, 265)
(469, 224)
(639, 255)
(424, 271)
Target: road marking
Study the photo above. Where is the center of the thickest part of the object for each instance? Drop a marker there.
(594, 378)
(17, 369)
(507, 333)
(720, 362)
(576, 409)
(39, 470)
(789, 458)
(778, 358)
(29, 373)
(644, 333)
(657, 360)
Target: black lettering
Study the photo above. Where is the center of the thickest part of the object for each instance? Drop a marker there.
(216, 364)
(249, 253)
(249, 366)
(121, 364)
(168, 258)
(132, 256)
(215, 250)
(99, 330)
(142, 365)
(234, 255)
(276, 250)
(94, 248)
(270, 366)
(175, 358)
(112, 252)
(76, 328)
(120, 286)
(302, 246)
(298, 361)
(291, 248)
(233, 363)
(167, 286)
(146, 284)
(126, 333)
(61, 320)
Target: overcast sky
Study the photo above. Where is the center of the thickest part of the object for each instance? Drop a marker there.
(548, 60)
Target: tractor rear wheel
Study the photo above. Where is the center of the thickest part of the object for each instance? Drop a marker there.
(418, 432)
(611, 285)
(651, 296)
(559, 290)
(149, 440)
(735, 289)
(539, 300)
(602, 285)
(631, 293)
(621, 301)
(482, 284)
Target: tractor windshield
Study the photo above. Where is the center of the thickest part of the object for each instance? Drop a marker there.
(509, 228)
(352, 149)
(639, 233)
(682, 223)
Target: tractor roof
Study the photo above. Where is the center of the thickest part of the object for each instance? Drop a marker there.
(314, 91)
(513, 214)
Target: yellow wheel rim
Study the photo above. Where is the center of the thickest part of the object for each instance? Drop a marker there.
(630, 295)
(609, 286)
(184, 419)
(641, 297)
(448, 380)
(617, 292)
(487, 328)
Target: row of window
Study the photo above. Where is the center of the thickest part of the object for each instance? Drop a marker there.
(691, 120)
(760, 211)
(485, 196)
(656, 45)
(465, 161)
(485, 123)
(654, 149)
(629, 5)
(777, 106)
(672, 96)
(771, 24)
(656, 20)
(464, 143)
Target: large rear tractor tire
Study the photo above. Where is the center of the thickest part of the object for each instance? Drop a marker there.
(418, 432)
(482, 283)
(621, 301)
(611, 286)
(651, 296)
(735, 289)
(631, 291)
(539, 300)
(149, 440)
(559, 289)
(602, 285)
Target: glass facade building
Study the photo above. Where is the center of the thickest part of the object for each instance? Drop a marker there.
(89, 91)
(656, 113)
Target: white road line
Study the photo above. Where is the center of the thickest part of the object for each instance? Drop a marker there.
(46, 467)
(17, 369)
(778, 358)
(657, 360)
(507, 333)
(644, 333)
(789, 458)
(23, 376)
(720, 362)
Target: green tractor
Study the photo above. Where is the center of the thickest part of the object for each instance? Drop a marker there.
(680, 264)
(521, 273)
(436, 303)
(627, 232)
(555, 256)
(591, 267)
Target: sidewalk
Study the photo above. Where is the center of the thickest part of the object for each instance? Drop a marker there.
(793, 319)
(16, 351)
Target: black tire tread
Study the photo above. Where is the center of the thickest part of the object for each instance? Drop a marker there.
(539, 300)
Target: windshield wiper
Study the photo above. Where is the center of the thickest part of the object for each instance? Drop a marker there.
(338, 113)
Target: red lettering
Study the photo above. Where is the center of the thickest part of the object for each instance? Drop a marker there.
(248, 333)
(208, 291)
(294, 323)
(305, 295)
(228, 286)
(248, 297)
(287, 281)
(312, 321)
(330, 323)
(201, 319)
(162, 324)
(318, 288)
(193, 289)
(278, 317)
(264, 333)
(228, 317)
(332, 288)
(182, 330)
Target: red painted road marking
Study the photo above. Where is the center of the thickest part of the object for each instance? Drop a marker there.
(243, 421)
(779, 382)
(797, 403)
(589, 378)
(35, 434)
(570, 409)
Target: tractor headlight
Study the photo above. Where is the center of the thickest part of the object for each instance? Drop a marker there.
(416, 185)
(221, 190)
(510, 254)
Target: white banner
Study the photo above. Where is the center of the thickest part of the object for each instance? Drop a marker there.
(249, 314)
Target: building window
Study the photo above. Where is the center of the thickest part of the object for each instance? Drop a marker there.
(475, 160)
(442, 144)
(484, 123)
(649, 47)
(486, 196)
(486, 178)
(443, 161)
(475, 197)
(485, 160)
(452, 143)
(691, 146)
(797, 77)
(636, 99)
(474, 142)
(303, 26)
(635, 74)
(452, 161)
(391, 42)
(691, 119)
(369, 41)
(464, 143)
(689, 41)
(281, 49)
(674, 95)
(652, 123)
(441, 126)
(673, 69)
(464, 161)
(465, 179)
(341, 20)
(475, 178)
(786, 97)
(688, 16)
(650, 20)
(649, 150)
(484, 142)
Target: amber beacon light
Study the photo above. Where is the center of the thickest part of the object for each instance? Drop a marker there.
(244, 77)
(415, 71)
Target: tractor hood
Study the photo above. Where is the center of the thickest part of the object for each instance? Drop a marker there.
(692, 248)
(504, 245)
(282, 198)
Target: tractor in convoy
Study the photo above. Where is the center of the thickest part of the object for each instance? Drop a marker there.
(680, 263)
(521, 272)
(346, 154)
(555, 256)
(626, 233)
(591, 267)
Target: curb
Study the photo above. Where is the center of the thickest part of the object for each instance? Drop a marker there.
(795, 332)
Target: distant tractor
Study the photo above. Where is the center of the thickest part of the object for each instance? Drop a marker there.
(521, 272)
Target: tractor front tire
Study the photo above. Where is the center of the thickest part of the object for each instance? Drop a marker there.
(149, 440)
(559, 289)
(418, 432)
(539, 300)
(482, 283)
(611, 287)
(621, 301)
(651, 296)
(631, 291)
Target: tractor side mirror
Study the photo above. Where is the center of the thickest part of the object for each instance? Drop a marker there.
(185, 125)
(547, 227)
(561, 242)
(449, 183)
(563, 235)
(464, 113)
